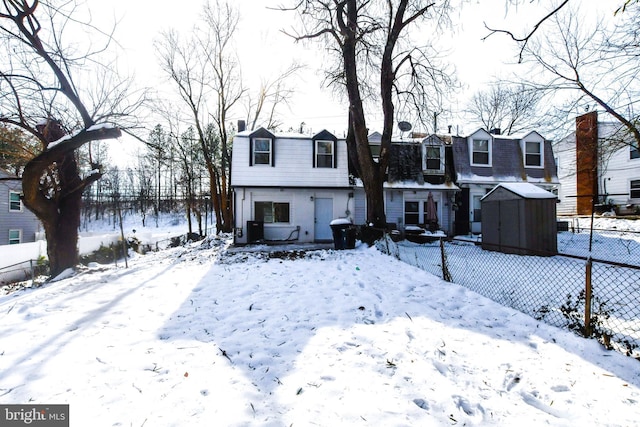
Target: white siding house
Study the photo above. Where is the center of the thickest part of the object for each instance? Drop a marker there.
(289, 187)
(614, 166)
(17, 223)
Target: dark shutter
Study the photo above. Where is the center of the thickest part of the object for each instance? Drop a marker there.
(335, 154)
(273, 152)
(250, 151)
(313, 156)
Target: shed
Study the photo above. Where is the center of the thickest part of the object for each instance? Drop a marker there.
(519, 218)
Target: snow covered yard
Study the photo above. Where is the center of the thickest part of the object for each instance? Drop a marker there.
(202, 336)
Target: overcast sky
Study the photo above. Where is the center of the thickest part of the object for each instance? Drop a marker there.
(264, 50)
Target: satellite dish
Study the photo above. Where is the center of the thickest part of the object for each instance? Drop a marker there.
(404, 126)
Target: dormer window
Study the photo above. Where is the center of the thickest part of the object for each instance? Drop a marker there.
(634, 153)
(481, 152)
(324, 154)
(262, 151)
(324, 150)
(533, 154)
(433, 158)
(262, 148)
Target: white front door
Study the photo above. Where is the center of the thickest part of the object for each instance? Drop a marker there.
(476, 215)
(323, 216)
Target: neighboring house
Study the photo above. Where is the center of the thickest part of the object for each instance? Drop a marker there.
(485, 159)
(289, 187)
(418, 167)
(17, 223)
(598, 165)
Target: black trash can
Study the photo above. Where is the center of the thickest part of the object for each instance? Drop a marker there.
(344, 234)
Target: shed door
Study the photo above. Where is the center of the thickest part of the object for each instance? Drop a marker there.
(323, 216)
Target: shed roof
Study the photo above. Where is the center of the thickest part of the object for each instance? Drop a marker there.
(525, 190)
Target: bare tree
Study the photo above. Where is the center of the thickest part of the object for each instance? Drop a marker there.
(207, 79)
(261, 106)
(38, 94)
(207, 75)
(598, 66)
(509, 108)
(377, 59)
(216, 44)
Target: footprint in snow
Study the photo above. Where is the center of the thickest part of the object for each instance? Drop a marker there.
(511, 380)
(441, 367)
(422, 404)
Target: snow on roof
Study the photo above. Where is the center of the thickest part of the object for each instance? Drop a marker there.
(525, 190)
(412, 185)
(280, 135)
(471, 178)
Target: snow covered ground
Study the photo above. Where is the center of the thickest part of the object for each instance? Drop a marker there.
(203, 336)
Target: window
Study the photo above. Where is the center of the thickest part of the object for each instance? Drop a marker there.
(634, 153)
(375, 151)
(533, 153)
(433, 159)
(415, 212)
(271, 212)
(15, 237)
(324, 154)
(15, 204)
(634, 192)
(412, 213)
(262, 151)
(480, 154)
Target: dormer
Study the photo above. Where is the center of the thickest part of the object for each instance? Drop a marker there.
(325, 150)
(262, 148)
(480, 148)
(375, 141)
(433, 159)
(532, 146)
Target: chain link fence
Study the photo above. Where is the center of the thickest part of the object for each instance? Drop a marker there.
(596, 298)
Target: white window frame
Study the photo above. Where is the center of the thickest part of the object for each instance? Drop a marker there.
(425, 150)
(255, 151)
(271, 219)
(11, 201)
(635, 188)
(634, 153)
(489, 142)
(331, 155)
(19, 238)
(540, 165)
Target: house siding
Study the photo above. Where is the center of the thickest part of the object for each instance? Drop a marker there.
(292, 178)
(617, 174)
(293, 165)
(301, 225)
(566, 156)
(25, 220)
(609, 177)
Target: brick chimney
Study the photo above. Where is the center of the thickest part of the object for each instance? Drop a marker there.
(586, 162)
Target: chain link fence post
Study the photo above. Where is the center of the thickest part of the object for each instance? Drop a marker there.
(446, 276)
(587, 297)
